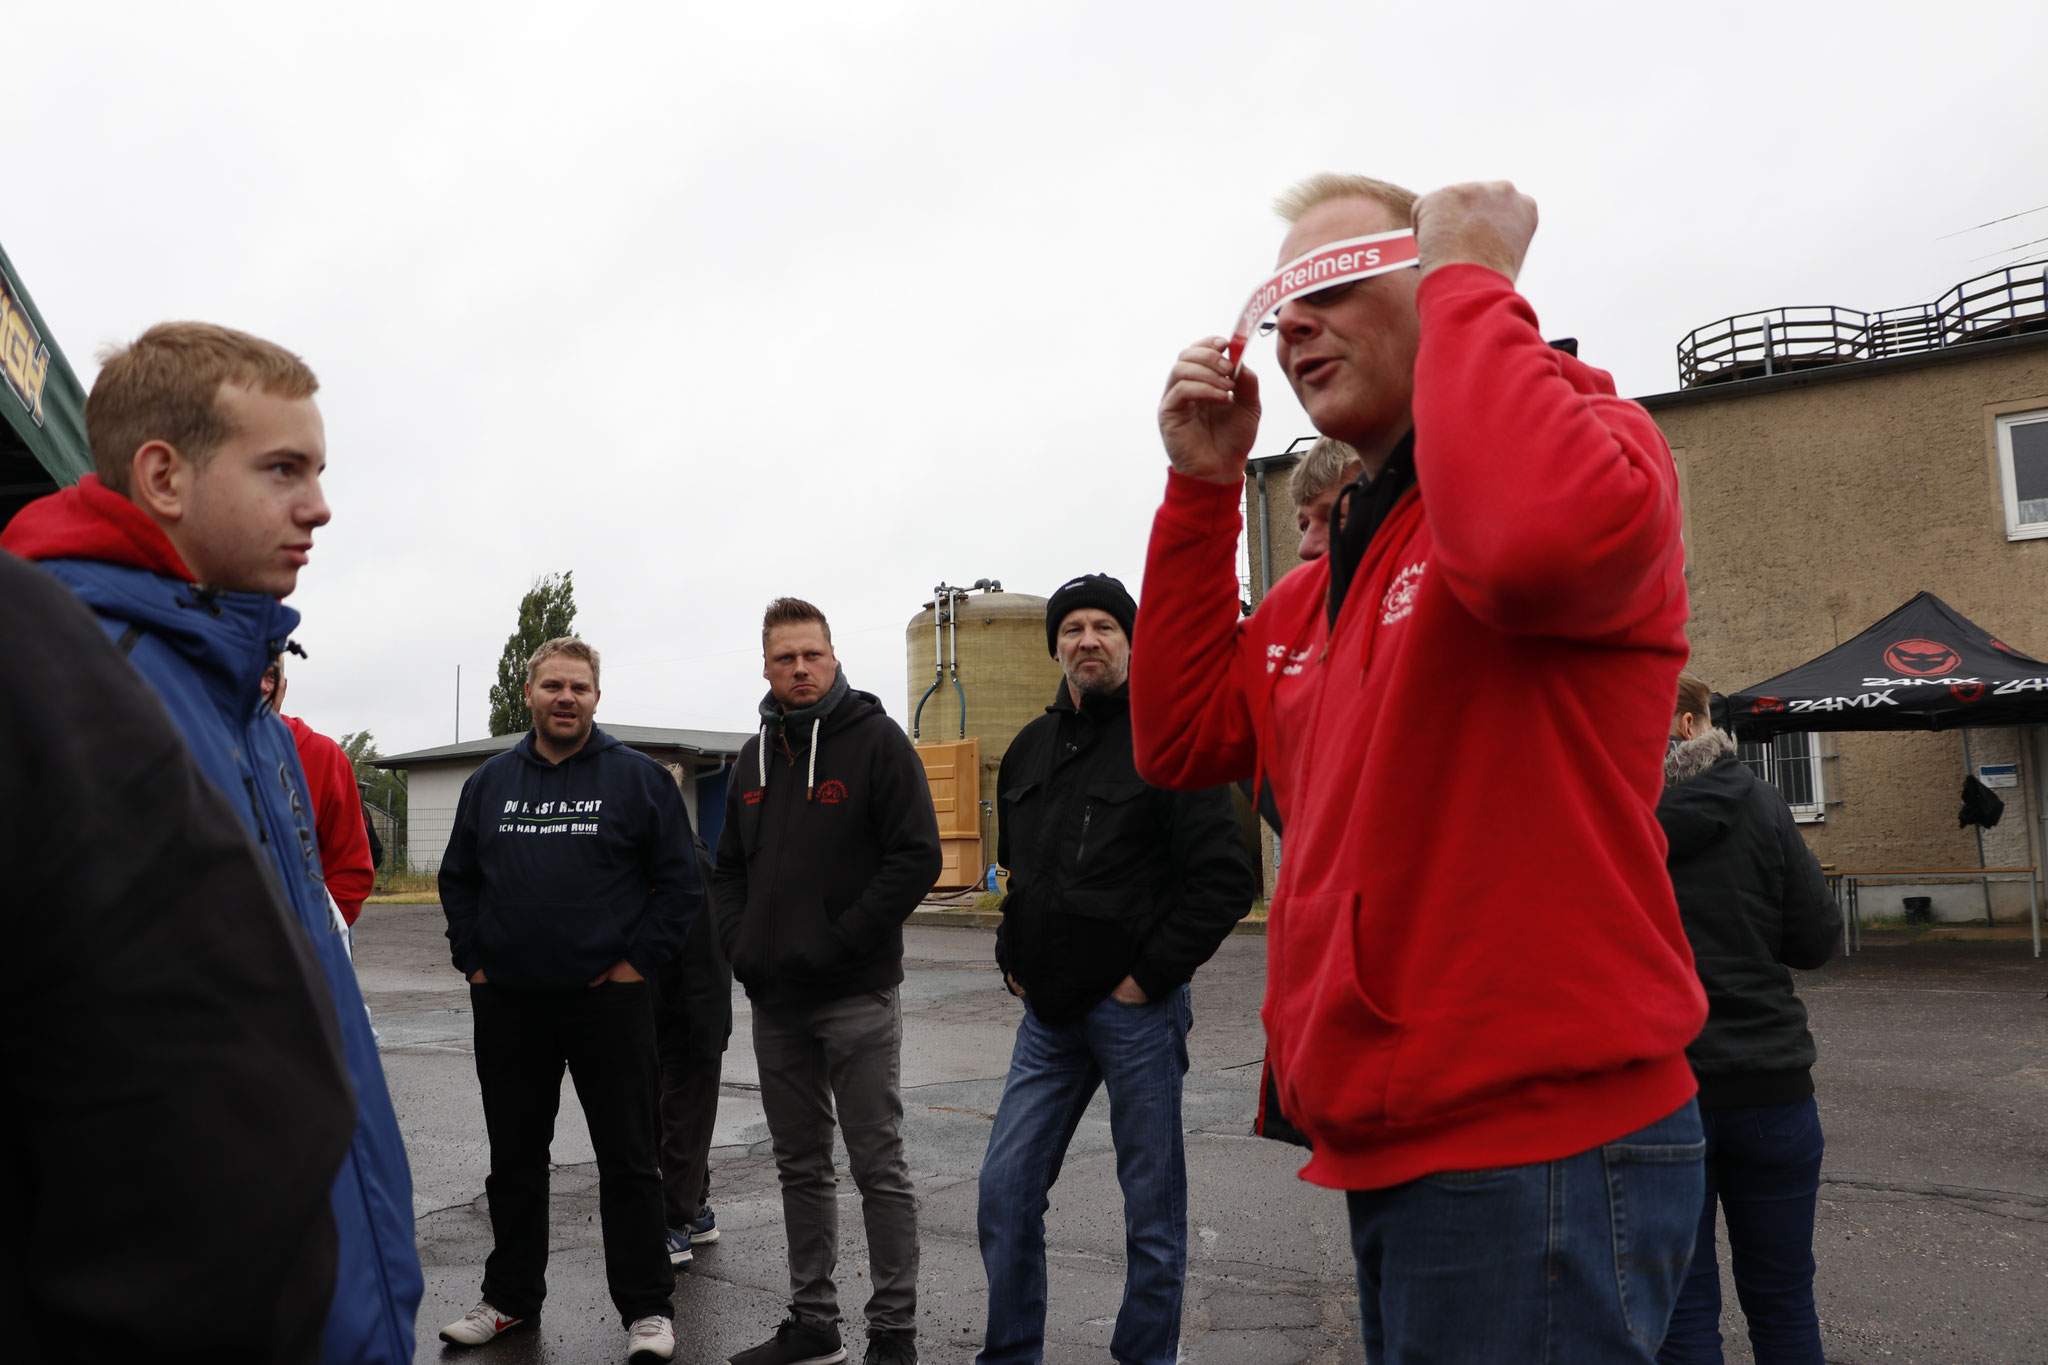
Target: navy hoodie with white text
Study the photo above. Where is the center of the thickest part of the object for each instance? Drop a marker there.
(556, 871)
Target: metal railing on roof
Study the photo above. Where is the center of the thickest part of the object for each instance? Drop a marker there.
(2005, 302)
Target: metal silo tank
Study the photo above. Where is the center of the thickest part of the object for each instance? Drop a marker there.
(1005, 677)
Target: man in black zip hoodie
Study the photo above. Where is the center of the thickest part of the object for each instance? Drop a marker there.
(830, 842)
(1755, 904)
(570, 879)
(1118, 892)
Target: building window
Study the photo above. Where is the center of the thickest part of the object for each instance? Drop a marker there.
(1791, 763)
(2023, 470)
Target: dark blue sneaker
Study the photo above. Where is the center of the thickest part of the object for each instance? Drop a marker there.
(679, 1254)
(705, 1230)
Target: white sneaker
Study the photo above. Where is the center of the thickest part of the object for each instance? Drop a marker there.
(479, 1325)
(650, 1338)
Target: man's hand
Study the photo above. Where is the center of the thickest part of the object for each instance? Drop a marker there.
(476, 978)
(1488, 223)
(1011, 982)
(1130, 992)
(1209, 418)
(622, 972)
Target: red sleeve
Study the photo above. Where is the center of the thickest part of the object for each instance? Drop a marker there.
(338, 820)
(1190, 725)
(1553, 503)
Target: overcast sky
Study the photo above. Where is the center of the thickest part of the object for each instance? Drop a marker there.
(711, 304)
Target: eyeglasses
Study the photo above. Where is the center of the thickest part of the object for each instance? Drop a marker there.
(1321, 298)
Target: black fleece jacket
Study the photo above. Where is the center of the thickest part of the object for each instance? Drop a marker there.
(1754, 903)
(556, 871)
(823, 856)
(1109, 877)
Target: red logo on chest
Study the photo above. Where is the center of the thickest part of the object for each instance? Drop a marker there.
(752, 798)
(830, 793)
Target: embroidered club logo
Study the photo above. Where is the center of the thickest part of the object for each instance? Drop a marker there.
(1922, 658)
(832, 792)
(1768, 706)
(1400, 599)
(752, 798)
(1968, 692)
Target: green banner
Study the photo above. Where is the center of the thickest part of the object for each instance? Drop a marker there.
(44, 404)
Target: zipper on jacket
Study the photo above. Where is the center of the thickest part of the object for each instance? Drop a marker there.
(1081, 850)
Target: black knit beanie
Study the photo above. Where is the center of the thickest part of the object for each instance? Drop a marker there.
(1096, 590)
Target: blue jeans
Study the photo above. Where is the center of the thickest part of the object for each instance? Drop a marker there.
(1764, 1165)
(1570, 1262)
(1141, 1053)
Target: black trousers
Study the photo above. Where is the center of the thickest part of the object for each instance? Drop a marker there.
(689, 1114)
(604, 1035)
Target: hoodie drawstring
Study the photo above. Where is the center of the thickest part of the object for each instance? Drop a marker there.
(811, 776)
(810, 773)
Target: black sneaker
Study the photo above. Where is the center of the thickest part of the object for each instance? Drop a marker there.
(796, 1342)
(898, 1347)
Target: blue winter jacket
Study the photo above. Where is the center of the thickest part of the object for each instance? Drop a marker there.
(204, 652)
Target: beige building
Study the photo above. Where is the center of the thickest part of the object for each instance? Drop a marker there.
(1832, 465)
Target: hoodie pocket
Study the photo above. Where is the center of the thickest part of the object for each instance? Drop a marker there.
(807, 943)
(1333, 1046)
(548, 942)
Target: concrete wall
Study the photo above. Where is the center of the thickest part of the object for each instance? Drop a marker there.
(1816, 507)
(430, 796)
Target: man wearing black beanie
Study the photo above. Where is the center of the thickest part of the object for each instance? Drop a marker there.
(1118, 892)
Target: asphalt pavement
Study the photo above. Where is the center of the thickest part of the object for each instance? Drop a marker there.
(1933, 1228)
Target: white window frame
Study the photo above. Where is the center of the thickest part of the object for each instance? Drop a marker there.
(1773, 763)
(2015, 528)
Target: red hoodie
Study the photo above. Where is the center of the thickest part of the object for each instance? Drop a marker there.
(1474, 956)
(337, 816)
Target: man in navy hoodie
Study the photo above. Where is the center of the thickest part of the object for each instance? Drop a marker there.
(570, 879)
(207, 451)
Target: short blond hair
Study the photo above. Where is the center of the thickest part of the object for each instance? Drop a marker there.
(1328, 185)
(562, 645)
(165, 385)
(1330, 463)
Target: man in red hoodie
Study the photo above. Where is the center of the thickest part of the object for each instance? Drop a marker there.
(337, 805)
(1478, 990)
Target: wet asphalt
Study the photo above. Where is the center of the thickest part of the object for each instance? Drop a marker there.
(1932, 1237)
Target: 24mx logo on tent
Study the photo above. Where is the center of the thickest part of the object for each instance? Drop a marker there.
(1922, 658)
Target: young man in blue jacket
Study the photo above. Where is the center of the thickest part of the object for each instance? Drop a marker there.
(570, 879)
(207, 451)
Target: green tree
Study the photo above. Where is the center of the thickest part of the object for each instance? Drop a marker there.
(547, 610)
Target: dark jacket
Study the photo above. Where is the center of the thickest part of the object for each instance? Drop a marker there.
(693, 993)
(821, 862)
(556, 871)
(170, 1041)
(1754, 903)
(1109, 877)
(203, 652)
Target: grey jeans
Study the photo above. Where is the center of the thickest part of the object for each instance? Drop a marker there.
(846, 1054)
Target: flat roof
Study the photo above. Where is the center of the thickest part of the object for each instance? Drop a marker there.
(715, 743)
(1844, 371)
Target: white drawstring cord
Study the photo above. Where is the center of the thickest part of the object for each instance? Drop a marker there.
(811, 777)
(763, 755)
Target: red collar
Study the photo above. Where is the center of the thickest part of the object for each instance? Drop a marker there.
(89, 521)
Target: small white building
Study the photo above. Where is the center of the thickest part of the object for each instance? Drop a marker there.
(434, 777)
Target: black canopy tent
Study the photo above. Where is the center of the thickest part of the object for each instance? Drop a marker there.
(1924, 667)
